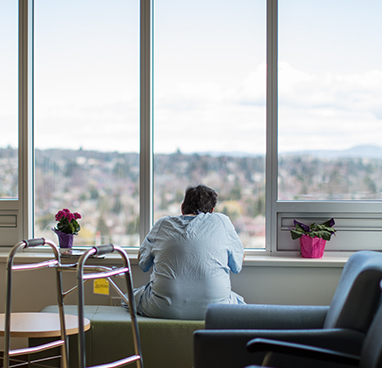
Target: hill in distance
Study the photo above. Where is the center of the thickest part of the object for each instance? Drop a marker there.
(363, 151)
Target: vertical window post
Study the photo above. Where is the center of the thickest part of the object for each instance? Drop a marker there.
(271, 152)
(146, 150)
(25, 210)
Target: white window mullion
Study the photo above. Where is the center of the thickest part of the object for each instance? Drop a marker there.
(146, 150)
(25, 208)
(271, 153)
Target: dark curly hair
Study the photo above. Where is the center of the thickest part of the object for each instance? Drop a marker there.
(199, 199)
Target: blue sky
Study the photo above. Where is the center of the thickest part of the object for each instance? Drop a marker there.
(209, 71)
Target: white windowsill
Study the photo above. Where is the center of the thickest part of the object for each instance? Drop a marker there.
(38, 255)
(294, 261)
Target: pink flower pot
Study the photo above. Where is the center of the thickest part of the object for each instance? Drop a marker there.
(312, 247)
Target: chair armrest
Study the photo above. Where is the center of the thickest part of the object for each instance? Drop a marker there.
(263, 316)
(227, 348)
(300, 350)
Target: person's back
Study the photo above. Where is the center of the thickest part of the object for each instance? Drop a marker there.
(192, 256)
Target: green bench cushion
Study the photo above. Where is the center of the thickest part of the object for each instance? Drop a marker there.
(164, 342)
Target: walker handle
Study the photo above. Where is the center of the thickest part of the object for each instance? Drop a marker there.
(103, 249)
(30, 243)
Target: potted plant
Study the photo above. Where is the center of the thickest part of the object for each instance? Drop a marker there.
(67, 227)
(313, 237)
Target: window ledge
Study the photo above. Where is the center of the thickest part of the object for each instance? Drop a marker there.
(294, 261)
(27, 256)
(38, 255)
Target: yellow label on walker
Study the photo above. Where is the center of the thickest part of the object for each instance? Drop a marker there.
(101, 286)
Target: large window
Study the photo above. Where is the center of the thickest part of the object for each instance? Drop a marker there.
(329, 120)
(274, 104)
(330, 88)
(8, 100)
(10, 178)
(209, 108)
(86, 100)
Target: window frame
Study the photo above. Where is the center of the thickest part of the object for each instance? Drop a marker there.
(20, 210)
(146, 194)
(279, 214)
(358, 223)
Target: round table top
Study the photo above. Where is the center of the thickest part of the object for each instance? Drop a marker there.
(37, 324)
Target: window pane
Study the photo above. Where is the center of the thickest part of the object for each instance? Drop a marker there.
(86, 117)
(8, 99)
(330, 88)
(209, 108)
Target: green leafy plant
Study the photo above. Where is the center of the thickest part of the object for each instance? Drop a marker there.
(324, 230)
(67, 222)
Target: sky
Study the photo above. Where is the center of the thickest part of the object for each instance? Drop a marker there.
(209, 75)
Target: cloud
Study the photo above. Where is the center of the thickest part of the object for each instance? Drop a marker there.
(316, 110)
(328, 110)
(351, 92)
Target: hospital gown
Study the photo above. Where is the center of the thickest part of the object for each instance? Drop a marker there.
(192, 257)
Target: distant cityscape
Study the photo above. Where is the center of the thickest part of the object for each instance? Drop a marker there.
(104, 187)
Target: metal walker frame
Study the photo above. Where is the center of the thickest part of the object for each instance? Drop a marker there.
(62, 342)
(86, 273)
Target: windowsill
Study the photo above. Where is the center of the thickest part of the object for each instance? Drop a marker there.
(38, 255)
(250, 260)
(293, 261)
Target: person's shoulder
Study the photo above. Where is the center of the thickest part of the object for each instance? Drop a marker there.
(162, 220)
(221, 216)
(168, 219)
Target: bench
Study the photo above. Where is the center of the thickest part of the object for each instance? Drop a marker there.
(164, 342)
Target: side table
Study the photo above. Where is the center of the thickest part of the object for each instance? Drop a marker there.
(33, 325)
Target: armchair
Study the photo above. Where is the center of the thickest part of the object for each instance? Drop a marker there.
(341, 326)
(369, 357)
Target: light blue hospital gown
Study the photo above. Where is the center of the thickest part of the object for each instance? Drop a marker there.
(192, 257)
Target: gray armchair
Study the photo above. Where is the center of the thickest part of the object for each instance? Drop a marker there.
(369, 357)
(341, 326)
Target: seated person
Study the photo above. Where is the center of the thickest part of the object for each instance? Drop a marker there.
(192, 256)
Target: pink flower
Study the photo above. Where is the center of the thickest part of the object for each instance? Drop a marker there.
(65, 213)
(67, 222)
(59, 215)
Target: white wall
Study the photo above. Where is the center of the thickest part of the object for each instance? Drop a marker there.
(264, 285)
(34, 290)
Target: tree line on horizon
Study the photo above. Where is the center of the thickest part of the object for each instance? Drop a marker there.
(105, 185)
